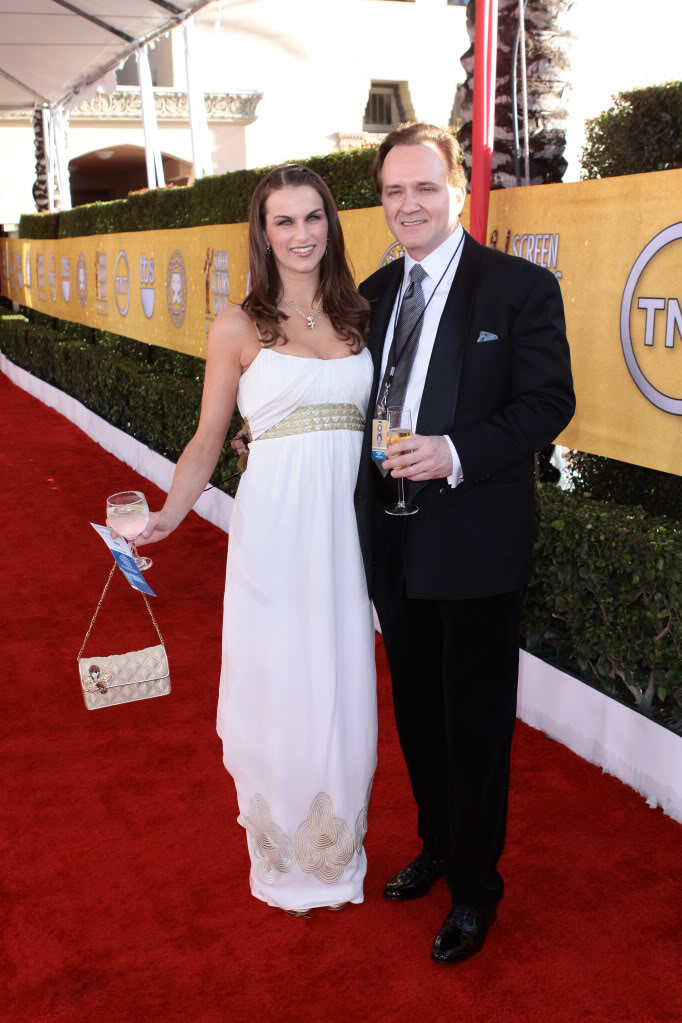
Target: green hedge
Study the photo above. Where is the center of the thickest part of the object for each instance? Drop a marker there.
(220, 199)
(604, 600)
(640, 132)
(156, 401)
(606, 479)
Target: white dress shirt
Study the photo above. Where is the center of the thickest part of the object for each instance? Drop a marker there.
(434, 266)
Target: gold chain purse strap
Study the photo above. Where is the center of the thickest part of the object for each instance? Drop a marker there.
(106, 587)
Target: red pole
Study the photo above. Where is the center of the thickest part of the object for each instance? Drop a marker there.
(483, 131)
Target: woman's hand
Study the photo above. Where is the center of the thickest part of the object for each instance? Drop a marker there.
(160, 526)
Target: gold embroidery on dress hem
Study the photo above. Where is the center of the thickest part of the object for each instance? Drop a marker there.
(314, 418)
(324, 844)
(272, 848)
(362, 821)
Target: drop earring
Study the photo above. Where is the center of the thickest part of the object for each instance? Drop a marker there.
(268, 248)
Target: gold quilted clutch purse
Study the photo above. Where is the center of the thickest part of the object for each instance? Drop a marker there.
(123, 678)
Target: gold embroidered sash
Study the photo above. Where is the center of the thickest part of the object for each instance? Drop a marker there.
(314, 418)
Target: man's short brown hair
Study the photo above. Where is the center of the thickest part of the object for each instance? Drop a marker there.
(413, 133)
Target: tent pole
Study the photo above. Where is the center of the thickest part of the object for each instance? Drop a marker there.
(152, 152)
(49, 158)
(198, 122)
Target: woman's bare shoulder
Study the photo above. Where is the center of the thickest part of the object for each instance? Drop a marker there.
(233, 321)
(233, 334)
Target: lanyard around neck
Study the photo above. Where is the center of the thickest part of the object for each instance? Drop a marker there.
(394, 356)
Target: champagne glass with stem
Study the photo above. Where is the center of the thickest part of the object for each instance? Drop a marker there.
(399, 428)
(128, 514)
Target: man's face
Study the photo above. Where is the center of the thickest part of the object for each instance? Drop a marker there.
(422, 208)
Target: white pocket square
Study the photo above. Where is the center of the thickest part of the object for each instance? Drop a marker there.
(485, 335)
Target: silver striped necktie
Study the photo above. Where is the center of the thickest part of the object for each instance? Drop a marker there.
(405, 341)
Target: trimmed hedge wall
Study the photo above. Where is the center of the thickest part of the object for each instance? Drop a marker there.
(220, 199)
(604, 602)
(611, 578)
(156, 402)
(640, 132)
(606, 479)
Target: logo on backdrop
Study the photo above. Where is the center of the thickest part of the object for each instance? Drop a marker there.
(10, 263)
(394, 251)
(176, 288)
(147, 285)
(649, 341)
(66, 278)
(217, 281)
(20, 272)
(216, 284)
(52, 276)
(82, 280)
(542, 248)
(122, 283)
(40, 276)
(101, 304)
(28, 268)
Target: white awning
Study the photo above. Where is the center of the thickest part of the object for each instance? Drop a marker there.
(58, 52)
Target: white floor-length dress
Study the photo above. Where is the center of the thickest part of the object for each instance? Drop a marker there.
(297, 704)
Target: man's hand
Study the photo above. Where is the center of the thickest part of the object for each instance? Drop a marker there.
(420, 458)
(239, 443)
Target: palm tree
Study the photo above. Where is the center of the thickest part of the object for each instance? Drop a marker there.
(548, 66)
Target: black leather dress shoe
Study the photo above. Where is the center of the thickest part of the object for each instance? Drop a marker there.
(416, 879)
(463, 933)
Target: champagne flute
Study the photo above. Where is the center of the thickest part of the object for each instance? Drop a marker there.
(399, 428)
(128, 514)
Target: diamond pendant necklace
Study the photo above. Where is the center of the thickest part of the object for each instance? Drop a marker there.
(310, 319)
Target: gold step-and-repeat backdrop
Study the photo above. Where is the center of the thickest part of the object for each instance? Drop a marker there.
(615, 245)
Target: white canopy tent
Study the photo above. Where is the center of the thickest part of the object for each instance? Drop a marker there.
(57, 53)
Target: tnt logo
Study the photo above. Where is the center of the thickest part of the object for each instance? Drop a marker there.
(651, 321)
(122, 283)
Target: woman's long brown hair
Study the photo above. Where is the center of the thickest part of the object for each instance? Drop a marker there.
(346, 309)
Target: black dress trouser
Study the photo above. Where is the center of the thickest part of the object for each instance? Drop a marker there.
(454, 671)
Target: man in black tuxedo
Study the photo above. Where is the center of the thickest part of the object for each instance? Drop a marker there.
(481, 360)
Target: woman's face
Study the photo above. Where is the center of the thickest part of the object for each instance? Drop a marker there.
(296, 227)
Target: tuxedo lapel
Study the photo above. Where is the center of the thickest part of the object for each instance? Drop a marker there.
(439, 398)
(382, 307)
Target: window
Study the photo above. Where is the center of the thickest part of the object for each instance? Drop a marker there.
(384, 108)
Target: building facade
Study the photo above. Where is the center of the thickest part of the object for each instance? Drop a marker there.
(282, 80)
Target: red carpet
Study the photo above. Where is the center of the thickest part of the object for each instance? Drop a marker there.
(125, 894)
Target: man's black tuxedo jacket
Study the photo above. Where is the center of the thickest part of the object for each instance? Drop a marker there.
(499, 400)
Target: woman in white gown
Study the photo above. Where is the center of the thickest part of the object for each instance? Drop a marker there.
(297, 703)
